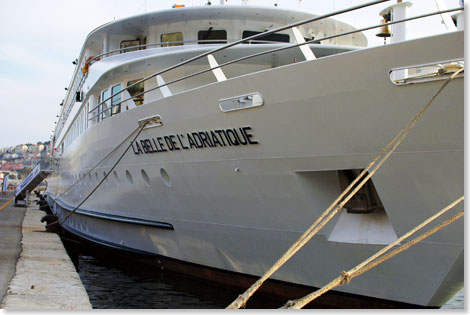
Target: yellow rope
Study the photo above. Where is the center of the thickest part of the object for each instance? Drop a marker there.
(411, 232)
(408, 245)
(346, 277)
(328, 213)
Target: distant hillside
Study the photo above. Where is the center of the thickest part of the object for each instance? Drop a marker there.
(22, 157)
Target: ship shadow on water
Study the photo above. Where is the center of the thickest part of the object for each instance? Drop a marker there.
(117, 280)
(120, 286)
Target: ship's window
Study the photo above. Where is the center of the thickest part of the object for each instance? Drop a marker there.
(116, 100)
(105, 108)
(210, 36)
(170, 39)
(125, 44)
(136, 90)
(275, 37)
(86, 115)
(97, 118)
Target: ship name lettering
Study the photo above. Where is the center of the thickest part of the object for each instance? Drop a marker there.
(195, 140)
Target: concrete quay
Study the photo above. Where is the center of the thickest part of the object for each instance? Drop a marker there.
(35, 271)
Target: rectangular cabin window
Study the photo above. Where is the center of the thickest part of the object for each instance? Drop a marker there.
(211, 36)
(97, 112)
(170, 39)
(126, 45)
(87, 115)
(105, 108)
(79, 124)
(135, 91)
(275, 37)
(116, 100)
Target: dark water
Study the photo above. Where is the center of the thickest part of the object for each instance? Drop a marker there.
(115, 281)
(111, 285)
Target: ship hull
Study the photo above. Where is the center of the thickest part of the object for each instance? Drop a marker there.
(237, 208)
(278, 292)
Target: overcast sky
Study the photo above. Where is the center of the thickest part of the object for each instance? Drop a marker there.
(40, 39)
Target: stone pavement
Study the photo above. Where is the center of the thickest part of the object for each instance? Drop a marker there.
(11, 220)
(45, 277)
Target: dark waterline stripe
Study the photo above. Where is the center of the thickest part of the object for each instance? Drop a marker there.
(117, 218)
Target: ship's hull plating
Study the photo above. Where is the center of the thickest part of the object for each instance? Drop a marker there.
(238, 208)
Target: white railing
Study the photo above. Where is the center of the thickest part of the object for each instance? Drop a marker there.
(249, 39)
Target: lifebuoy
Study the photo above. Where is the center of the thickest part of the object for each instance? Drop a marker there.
(87, 64)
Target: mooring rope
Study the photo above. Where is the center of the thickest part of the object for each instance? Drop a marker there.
(375, 260)
(97, 164)
(328, 214)
(140, 128)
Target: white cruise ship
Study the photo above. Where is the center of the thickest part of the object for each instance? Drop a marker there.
(220, 133)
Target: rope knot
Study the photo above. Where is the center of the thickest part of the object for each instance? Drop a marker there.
(346, 277)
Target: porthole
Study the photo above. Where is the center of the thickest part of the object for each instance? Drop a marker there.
(96, 176)
(129, 177)
(165, 177)
(145, 177)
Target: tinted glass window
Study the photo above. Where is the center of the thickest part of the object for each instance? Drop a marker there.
(172, 37)
(129, 43)
(105, 106)
(116, 100)
(211, 36)
(283, 38)
(136, 90)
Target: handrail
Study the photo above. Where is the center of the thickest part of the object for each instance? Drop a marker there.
(204, 41)
(271, 51)
(197, 41)
(278, 29)
(95, 58)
